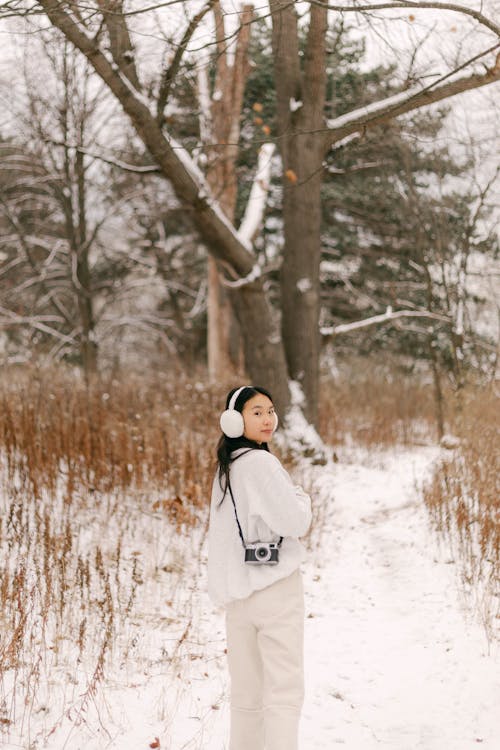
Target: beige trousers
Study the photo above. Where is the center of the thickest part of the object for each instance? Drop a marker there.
(265, 651)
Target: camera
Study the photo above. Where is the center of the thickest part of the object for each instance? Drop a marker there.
(262, 553)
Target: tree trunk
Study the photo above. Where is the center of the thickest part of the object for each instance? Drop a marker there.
(219, 314)
(261, 342)
(222, 115)
(83, 281)
(438, 390)
(88, 344)
(301, 99)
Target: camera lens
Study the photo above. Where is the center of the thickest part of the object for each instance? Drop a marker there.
(263, 553)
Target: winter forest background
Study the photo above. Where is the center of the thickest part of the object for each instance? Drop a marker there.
(195, 195)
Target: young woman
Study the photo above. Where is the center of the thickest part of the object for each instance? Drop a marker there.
(256, 518)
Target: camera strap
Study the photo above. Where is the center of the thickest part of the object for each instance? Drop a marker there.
(236, 514)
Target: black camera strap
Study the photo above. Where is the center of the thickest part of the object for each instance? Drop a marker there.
(236, 514)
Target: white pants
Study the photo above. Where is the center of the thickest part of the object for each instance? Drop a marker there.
(265, 651)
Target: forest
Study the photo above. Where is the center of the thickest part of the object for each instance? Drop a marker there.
(195, 195)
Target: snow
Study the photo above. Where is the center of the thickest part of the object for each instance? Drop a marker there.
(254, 274)
(343, 269)
(389, 314)
(136, 93)
(304, 285)
(295, 104)
(391, 659)
(256, 204)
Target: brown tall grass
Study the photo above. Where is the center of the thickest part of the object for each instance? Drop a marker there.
(97, 481)
(376, 406)
(463, 499)
(130, 432)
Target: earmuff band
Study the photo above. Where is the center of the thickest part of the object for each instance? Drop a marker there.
(235, 395)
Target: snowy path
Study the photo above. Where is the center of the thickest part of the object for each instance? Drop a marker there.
(392, 662)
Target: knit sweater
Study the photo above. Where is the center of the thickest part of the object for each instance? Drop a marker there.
(269, 506)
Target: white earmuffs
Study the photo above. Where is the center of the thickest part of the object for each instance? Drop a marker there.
(231, 421)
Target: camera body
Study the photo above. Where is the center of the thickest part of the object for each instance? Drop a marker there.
(262, 553)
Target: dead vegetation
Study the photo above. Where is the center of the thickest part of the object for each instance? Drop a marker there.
(97, 484)
(100, 484)
(464, 501)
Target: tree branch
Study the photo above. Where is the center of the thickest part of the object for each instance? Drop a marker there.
(386, 317)
(175, 163)
(136, 168)
(476, 14)
(120, 43)
(10, 318)
(411, 99)
(170, 73)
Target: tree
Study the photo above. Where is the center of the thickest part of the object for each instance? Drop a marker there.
(305, 140)
(303, 135)
(220, 112)
(83, 230)
(46, 202)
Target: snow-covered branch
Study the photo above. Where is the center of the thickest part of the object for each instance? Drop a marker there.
(256, 204)
(254, 274)
(413, 98)
(386, 317)
(137, 168)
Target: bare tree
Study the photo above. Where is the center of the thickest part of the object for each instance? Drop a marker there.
(46, 203)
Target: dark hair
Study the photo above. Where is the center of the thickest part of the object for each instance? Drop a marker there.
(227, 445)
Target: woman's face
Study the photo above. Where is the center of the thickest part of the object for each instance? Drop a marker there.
(258, 418)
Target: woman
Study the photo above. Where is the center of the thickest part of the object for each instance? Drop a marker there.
(256, 517)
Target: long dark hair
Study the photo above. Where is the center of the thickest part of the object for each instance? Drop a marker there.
(227, 445)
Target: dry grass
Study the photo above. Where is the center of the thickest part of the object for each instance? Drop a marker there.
(135, 432)
(99, 483)
(464, 501)
(96, 484)
(376, 407)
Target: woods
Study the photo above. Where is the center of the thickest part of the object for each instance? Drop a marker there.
(195, 195)
(324, 115)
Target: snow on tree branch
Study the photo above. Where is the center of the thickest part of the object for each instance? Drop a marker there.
(413, 98)
(254, 274)
(256, 204)
(389, 315)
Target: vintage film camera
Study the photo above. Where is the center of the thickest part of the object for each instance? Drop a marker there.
(262, 553)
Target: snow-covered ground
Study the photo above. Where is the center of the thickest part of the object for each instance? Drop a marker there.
(392, 660)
